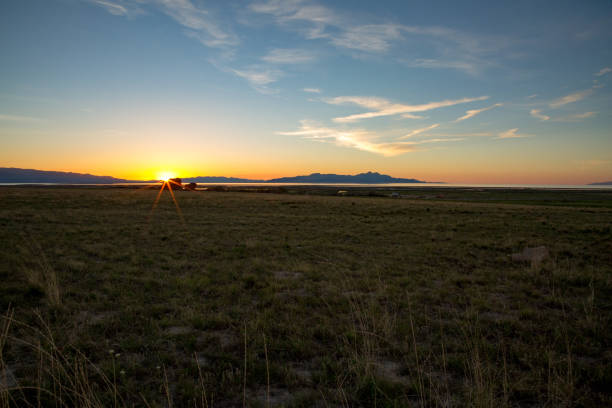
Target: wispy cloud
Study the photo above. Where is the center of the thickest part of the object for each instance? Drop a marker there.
(571, 98)
(256, 78)
(510, 134)
(289, 12)
(288, 56)
(312, 90)
(369, 38)
(473, 112)
(276, 7)
(604, 71)
(353, 138)
(440, 140)
(575, 117)
(415, 132)
(445, 48)
(259, 78)
(368, 141)
(537, 113)
(112, 7)
(197, 21)
(463, 136)
(466, 66)
(383, 107)
(584, 115)
(17, 118)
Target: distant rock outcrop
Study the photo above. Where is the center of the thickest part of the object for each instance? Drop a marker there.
(603, 183)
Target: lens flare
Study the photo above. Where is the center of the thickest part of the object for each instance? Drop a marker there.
(168, 180)
(165, 175)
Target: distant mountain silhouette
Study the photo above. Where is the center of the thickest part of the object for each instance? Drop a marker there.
(215, 179)
(603, 183)
(16, 175)
(362, 178)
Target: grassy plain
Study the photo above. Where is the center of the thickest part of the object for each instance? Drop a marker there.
(304, 300)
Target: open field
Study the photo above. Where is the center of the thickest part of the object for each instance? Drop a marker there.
(304, 300)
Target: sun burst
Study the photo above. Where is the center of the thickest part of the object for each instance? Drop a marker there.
(165, 176)
(168, 180)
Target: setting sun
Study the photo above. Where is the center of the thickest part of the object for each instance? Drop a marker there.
(165, 176)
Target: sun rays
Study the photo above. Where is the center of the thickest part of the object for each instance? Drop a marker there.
(168, 181)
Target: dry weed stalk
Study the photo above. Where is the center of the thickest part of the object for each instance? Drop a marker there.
(65, 376)
(39, 272)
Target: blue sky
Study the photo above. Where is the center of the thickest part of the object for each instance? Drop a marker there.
(457, 91)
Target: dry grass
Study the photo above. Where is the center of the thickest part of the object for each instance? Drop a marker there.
(39, 273)
(63, 377)
(286, 300)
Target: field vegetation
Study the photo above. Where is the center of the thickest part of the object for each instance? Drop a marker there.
(301, 299)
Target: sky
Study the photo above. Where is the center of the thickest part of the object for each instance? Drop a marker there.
(509, 92)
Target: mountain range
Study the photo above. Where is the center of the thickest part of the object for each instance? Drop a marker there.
(17, 175)
(361, 178)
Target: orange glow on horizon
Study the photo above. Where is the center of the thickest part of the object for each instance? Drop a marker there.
(454, 172)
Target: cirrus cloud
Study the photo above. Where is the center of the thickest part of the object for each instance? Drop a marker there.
(383, 107)
(419, 131)
(259, 78)
(354, 138)
(575, 117)
(368, 141)
(198, 23)
(369, 38)
(510, 134)
(113, 8)
(571, 98)
(473, 112)
(537, 113)
(288, 56)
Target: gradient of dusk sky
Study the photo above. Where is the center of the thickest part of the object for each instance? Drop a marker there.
(465, 92)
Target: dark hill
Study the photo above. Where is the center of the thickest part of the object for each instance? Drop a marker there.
(362, 178)
(15, 175)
